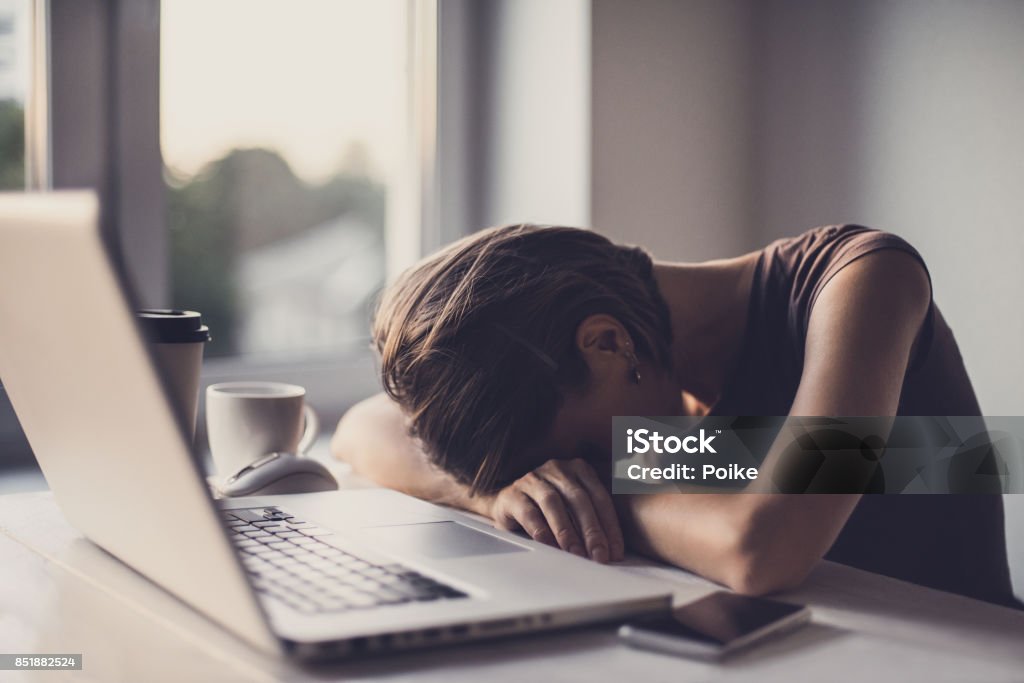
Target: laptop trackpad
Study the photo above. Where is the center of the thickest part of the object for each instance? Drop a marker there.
(440, 540)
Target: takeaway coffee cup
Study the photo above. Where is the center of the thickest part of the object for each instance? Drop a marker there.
(246, 421)
(177, 339)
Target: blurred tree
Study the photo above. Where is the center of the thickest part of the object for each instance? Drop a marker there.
(268, 200)
(12, 145)
(202, 255)
(357, 196)
(248, 198)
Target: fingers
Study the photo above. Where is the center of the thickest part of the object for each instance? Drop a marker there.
(518, 511)
(577, 498)
(564, 504)
(605, 508)
(558, 518)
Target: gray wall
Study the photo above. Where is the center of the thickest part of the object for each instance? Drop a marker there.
(718, 126)
(526, 132)
(670, 141)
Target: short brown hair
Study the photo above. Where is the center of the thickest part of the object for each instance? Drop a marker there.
(477, 342)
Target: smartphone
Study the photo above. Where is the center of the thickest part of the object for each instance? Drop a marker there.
(714, 626)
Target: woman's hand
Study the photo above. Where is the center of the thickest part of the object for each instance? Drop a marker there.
(562, 503)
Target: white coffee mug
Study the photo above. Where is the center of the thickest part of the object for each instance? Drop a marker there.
(247, 420)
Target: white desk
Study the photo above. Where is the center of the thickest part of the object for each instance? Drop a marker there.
(61, 594)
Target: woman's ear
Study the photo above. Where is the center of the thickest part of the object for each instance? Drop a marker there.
(605, 345)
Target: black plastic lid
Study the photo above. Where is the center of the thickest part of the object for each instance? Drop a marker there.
(167, 326)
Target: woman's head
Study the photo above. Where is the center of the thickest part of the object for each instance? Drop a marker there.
(514, 340)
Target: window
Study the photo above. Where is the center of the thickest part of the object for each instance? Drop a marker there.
(14, 75)
(284, 128)
(296, 143)
(15, 29)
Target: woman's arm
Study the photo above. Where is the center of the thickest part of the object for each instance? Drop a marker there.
(373, 438)
(858, 345)
(562, 503)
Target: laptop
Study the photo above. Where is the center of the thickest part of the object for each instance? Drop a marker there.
(311, 576)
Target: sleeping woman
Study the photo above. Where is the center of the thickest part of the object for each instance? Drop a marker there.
(505, 356)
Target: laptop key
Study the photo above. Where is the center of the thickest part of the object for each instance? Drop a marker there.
(305, 570)
(248, 514)
(275, 530)
(254, 561)
(259, 549)
(256, 534)
(269, 540)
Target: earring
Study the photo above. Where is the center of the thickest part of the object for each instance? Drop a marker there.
(631, 357)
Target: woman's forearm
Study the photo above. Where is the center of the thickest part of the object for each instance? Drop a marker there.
(698, 532)
(754, 543)
(373, 438)
(732, 539)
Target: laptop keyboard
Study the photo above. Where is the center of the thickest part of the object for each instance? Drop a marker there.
(291, 560)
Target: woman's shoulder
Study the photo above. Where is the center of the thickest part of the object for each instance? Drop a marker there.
(837, 242)
(803, 264)
(796, 269)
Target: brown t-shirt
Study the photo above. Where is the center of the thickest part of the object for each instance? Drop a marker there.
(952, 542)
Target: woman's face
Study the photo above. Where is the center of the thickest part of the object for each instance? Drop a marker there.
(583, 425)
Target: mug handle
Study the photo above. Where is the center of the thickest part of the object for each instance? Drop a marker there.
(310, 431)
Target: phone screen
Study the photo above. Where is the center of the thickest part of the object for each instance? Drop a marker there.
(720, 618)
